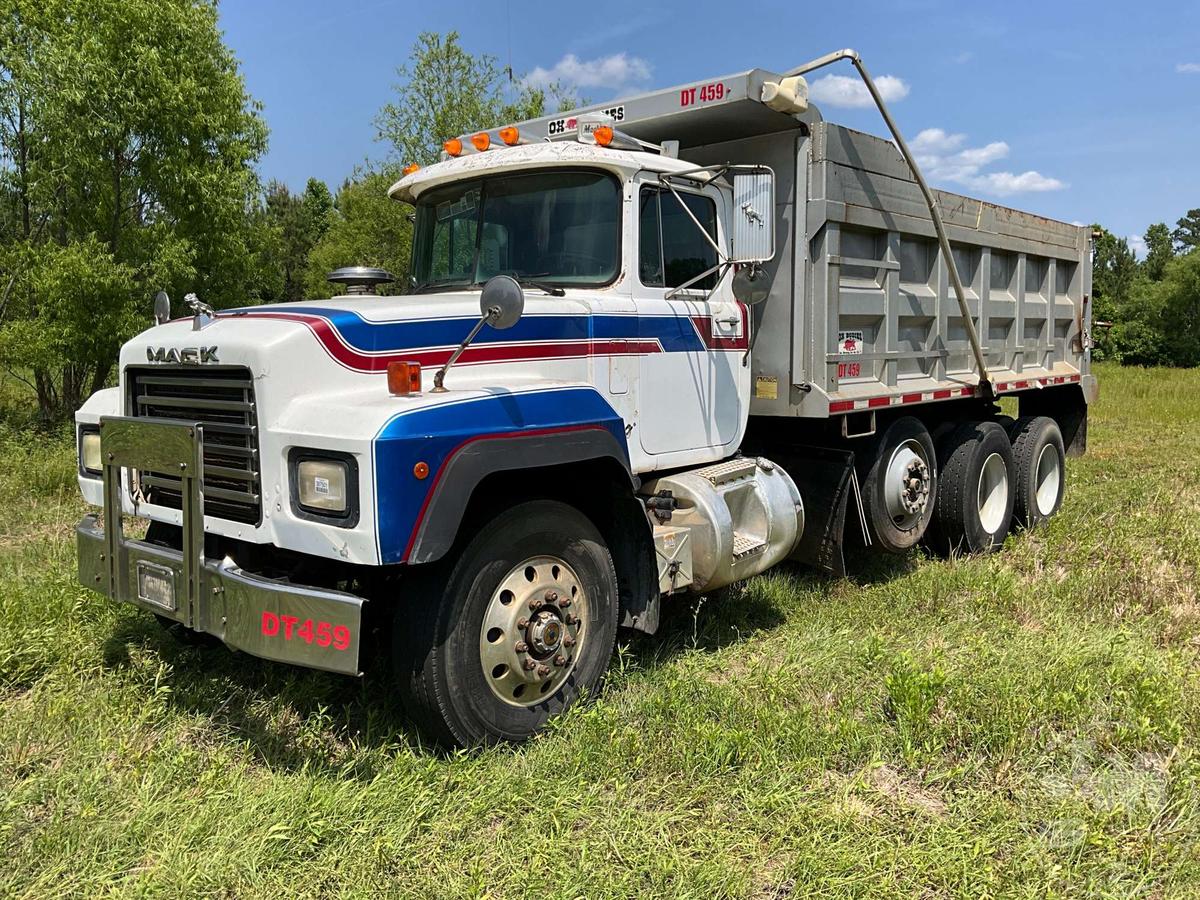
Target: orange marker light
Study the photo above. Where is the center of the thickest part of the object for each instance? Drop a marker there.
(404, 378)
(421, 471)
(453, 147)
(409, 169)
(481, 141)
(603, 135)
(510, 136)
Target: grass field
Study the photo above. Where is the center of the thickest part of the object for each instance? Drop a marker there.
(1021, 724)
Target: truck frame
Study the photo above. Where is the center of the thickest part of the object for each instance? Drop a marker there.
(649, 348)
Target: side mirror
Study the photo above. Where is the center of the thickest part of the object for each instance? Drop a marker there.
(162, 308)
(752, 232)
(750, 284)
(501, 302)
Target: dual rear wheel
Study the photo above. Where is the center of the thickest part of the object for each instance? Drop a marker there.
(965, 496)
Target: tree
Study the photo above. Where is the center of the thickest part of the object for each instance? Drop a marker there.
(1159, 251)
(444, 91)
(368, 228)
(1178, 298)
(127, 151)
(1187, 232)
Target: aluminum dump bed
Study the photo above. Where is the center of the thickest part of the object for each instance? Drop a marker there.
(861, 314)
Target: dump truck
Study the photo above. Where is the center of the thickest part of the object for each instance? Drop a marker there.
(646, 349)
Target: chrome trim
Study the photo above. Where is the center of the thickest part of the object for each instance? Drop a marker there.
(216, 597)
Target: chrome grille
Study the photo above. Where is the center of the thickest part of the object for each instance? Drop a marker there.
(223, 401)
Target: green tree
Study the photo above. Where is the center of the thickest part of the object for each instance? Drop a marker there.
(367, 228)
(446, 91)
(1187, 232)
(1177, 296)
(128, 148)
(1159, 250)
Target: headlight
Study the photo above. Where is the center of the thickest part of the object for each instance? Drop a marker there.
(324, 486)
(89, 451)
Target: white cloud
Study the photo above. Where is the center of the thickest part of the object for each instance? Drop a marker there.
(1137, 244)
(945, 157)
(847, 90)
(1188, 68)
(615, 73)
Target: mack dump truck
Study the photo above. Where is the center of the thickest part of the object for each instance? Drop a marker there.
(648, 348)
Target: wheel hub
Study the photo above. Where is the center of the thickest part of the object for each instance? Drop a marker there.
(532, 630)
(545, 633)
(907, 485)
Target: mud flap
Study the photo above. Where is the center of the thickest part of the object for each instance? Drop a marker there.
(825, 478)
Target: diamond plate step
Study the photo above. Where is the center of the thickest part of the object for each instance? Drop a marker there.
(730, 470)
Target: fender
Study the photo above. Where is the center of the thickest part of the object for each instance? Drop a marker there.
(478, 457)
(428, 461)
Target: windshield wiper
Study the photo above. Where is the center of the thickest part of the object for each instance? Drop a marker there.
(532, 281)
(434, 286)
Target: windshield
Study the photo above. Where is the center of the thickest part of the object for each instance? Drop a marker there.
(560, 228)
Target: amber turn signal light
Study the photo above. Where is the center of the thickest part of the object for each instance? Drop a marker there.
(453, 147)
(481, 141)
(510, 136)
(404, 378)
(603, 135)
(409, 169)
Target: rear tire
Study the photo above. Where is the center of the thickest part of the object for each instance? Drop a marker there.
(487, 651)
(1040, 466)
(975, 492)
(900, 487)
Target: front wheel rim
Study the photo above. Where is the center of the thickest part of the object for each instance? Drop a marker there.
(992, 495)
(532, 631)
(1048, 480)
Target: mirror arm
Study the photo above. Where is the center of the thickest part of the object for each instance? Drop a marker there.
(438, 379)
(724, 264)
(708, 237)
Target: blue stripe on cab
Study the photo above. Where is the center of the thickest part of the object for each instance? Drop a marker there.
(431, 435)
(675, 333)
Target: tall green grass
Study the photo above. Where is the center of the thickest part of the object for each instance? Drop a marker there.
(1020, 724)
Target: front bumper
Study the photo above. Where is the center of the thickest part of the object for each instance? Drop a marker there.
(272, 619)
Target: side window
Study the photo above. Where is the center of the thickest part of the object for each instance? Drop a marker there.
(671, 249)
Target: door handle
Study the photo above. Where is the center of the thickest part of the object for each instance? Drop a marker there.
(732, 320)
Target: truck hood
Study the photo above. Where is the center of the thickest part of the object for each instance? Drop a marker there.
(362, 334)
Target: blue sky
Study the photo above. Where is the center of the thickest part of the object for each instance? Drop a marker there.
(1078, 111)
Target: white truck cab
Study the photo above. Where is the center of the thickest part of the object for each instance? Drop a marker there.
(647, 349)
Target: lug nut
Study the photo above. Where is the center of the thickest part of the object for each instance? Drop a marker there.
(564, 602)
(543, 671)
(533, 603)
(568, 641)
(560, 660)
(551, 596)
(522, 622)
(528, 665)
(521, 646)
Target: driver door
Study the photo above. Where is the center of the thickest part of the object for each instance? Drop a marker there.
(692, 392)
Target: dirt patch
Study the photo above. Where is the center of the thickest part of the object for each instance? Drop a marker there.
(905, 791)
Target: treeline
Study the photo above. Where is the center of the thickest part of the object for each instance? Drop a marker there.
(129, 148)
(1147, 312)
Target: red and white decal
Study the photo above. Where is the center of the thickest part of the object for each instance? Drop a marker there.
(841, 406)
(850, 343)
(323, 634)
(568, 124)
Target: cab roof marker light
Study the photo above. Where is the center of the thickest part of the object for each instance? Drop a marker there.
(410, 168)
(511, 136)
(454, 147)
(481, 141)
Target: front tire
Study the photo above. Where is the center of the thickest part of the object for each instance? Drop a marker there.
(975, 491)
(519, 628)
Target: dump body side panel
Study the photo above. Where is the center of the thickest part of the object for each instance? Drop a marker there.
(881, 320)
